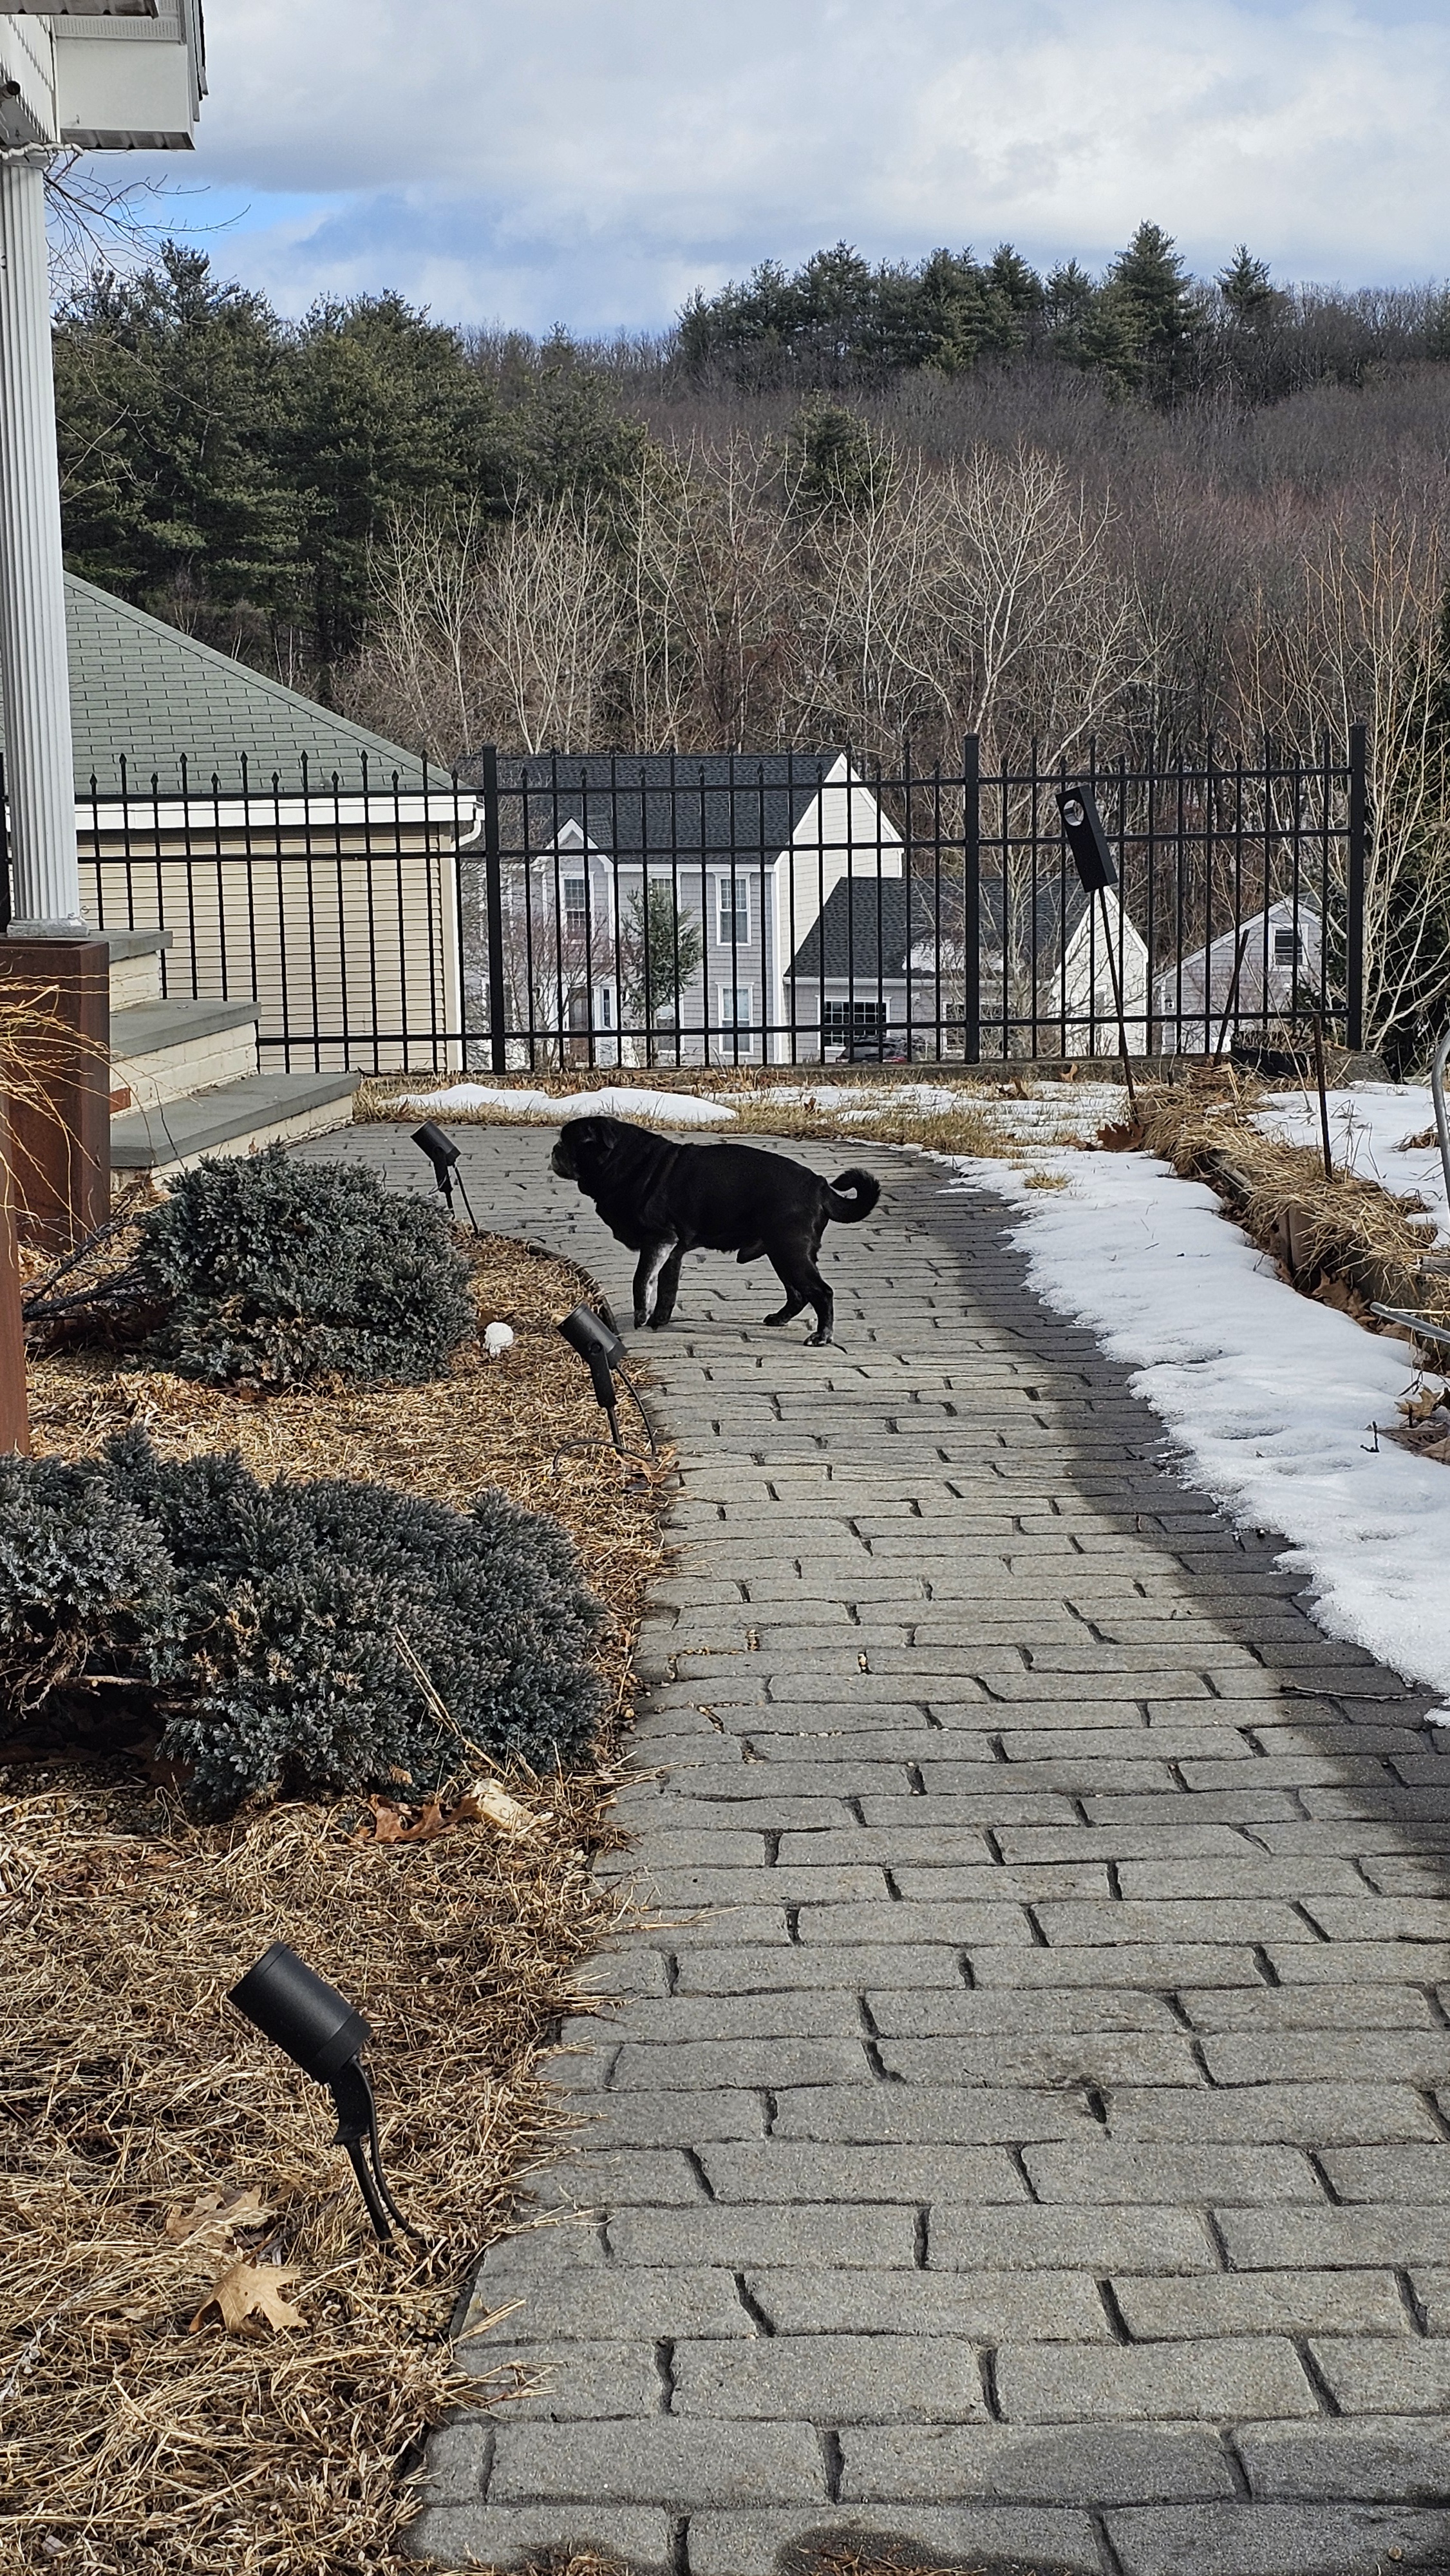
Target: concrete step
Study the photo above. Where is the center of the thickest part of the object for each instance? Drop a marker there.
(135, 966)
(162, 1051)
(235, 1118)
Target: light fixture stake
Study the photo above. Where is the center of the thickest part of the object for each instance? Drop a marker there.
(324, 2034)
(442, 1153)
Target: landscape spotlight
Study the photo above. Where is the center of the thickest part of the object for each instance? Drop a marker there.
(323, 2034)
(603, 1352)
(442, 1153)
(1082, 827)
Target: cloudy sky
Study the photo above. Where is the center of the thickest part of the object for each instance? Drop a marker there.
(589, 161)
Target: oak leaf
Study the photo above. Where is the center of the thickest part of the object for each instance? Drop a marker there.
(1419, 1407)
(386, 1821)
(214, 2210)
(248, 2290)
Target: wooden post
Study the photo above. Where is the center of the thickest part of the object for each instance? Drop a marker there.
(60, 1129)
(14, 1415)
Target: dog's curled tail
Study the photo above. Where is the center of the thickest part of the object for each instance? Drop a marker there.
(864, 1190)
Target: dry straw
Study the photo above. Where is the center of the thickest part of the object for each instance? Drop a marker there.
(1348, 1241)
(153, 2142)
(971, 1121)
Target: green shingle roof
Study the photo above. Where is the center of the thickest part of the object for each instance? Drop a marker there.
(145, 691)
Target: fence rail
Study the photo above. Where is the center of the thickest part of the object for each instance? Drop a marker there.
(615, 910)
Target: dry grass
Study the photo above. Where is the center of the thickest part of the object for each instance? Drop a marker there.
(1347, 1241)
(140, 2435)
(974, 1124)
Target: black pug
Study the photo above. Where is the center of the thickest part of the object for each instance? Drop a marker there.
(665, 1200)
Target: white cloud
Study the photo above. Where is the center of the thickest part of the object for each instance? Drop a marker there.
(591, 159)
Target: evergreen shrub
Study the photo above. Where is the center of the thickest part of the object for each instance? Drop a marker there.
(284, 1272)
(84, 1576)
(272, 1624)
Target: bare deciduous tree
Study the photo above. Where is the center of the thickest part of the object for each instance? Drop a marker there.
(1365, 639)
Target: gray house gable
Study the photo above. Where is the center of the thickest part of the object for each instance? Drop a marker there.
(698, 807)
(862, 929)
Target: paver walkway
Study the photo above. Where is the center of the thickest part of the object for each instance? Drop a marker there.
(1025, 2136)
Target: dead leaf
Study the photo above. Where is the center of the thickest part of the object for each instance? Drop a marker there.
(1344, 1301)
(386, 1821)
(214, 2210)
(1417, 1144)
(482, 1802)
(429, 1822)
(1121, 1136)
(251, 2290)
(1415, 1408)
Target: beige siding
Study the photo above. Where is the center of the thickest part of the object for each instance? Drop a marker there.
(350, 950)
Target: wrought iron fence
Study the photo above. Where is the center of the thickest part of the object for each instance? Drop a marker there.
(633, 910)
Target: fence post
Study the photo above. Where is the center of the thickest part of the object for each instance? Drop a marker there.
(971, 906)
(1354, 925)
(493, 898)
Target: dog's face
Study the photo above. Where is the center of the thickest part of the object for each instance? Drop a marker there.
(586, 1149)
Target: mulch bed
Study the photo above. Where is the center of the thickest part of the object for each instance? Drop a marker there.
(205, 2360)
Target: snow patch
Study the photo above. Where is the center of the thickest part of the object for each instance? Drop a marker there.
(675, 1108)
(1271, 1396)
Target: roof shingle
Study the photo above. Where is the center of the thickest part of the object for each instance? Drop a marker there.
(144, 692)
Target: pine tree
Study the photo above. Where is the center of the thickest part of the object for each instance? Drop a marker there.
(835, 461)
(1248, 291)
(168, 397)
(1146, 313)
(1014, 279)
(661, 951)
(382, 410)
(1068, 301)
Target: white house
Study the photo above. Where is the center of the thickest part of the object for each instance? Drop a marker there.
(857, 980)
(1278, 976)
(653, 905)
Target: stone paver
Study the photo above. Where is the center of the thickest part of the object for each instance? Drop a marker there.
(1021, 2136)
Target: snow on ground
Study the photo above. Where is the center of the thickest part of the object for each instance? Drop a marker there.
(1063, 1112)
(1060, 1112)
(680, 1108)
(1369, 1128)
(1270, 1395)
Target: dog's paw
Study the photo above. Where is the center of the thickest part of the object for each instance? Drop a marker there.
(782, 1318)
(819, 1341)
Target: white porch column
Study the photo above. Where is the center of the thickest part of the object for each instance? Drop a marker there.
(45, 879)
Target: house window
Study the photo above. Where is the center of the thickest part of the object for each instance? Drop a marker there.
(732, 911)
(1286, 947)
(576, 903)
(737, 1005)
(843, 1022)
(604, 1007)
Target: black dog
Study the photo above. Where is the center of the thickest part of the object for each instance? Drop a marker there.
(664, 1200)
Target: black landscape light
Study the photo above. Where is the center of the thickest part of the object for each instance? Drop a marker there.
(1082, 828)
(323, 2034)
(603, 1353)
(442, 1153)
